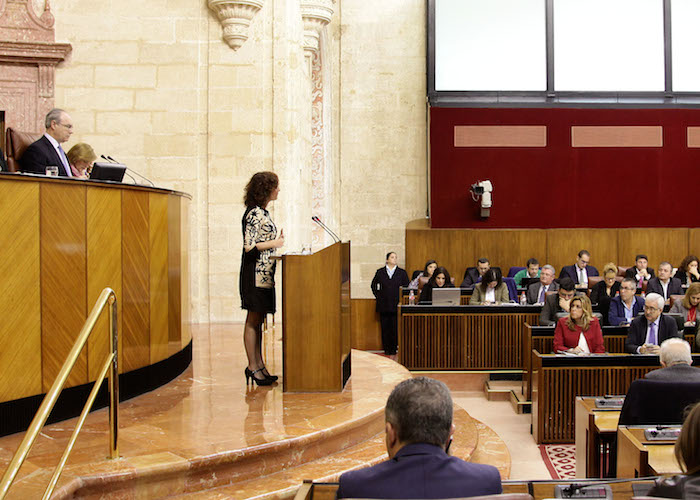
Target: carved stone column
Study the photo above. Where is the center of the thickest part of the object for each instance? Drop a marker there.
(235, 17)
(316, 14)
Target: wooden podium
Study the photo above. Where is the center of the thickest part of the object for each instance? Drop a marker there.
(316, 320)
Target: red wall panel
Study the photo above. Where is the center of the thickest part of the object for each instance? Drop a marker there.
(561, 186)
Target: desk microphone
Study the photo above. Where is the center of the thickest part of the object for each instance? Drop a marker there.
(325, 228)
(111, 160)
(131, 169)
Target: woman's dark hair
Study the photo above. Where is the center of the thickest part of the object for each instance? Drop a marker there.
(687, 449)
(686, 262)
(425, 269)
(489, 276)
(259, 189)
(439, 270)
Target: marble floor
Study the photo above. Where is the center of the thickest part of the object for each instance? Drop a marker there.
(206, 431)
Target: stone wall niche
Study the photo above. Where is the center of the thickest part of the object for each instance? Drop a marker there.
(28, 59)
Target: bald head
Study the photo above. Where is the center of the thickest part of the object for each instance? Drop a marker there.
(675, 351)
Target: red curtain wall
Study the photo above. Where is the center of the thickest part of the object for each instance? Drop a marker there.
(561, 186)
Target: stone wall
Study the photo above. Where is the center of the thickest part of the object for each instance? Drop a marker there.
(155, 85)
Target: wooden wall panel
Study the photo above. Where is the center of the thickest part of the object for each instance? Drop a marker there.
(693, 243)
(135, 279)
(452, 248)
(657, 243)
(366, 330)
(174, 276)
(186, 303)
(20, 296)
(104, 269)
(505, 248)
(563, 246)
(63, 278)
(158, 235)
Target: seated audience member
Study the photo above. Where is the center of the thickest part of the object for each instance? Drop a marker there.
(687, 272)
(675, 360)
(557, 303)
(641, 271)
(687, 453)
(647, 332)
(439, 279)
(579, 333)
(427, 272)
(532, 270)
(491, 290)
(664, 284)
(47, 151)
(418, 430)
(537, 292)
(688, 307)
(473, 275)
(625, 307)
(580, 271)
(603, 291)
(81, 158)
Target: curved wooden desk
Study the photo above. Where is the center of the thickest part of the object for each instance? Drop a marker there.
(61, 242)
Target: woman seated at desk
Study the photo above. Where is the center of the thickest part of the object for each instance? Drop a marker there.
(580, 332)
(688, 272)
(427, 272)
(491, 290)
(688, 307)
(439, 279)
(81, 158)
(603, 291)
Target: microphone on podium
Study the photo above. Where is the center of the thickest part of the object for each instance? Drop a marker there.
(325, 228)
(109, 158)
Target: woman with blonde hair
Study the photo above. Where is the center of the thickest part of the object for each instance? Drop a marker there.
(81, 158)
(579, 333)
(688, 307)
(603, 291)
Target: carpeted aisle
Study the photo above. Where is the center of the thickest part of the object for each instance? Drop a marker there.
(560, 460)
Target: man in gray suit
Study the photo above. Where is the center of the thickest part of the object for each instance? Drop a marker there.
(675, 360)
(536, 291)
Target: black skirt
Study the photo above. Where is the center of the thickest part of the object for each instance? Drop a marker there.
(254, 298)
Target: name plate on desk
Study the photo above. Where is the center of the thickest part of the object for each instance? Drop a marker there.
(612, 403)
(669, 433)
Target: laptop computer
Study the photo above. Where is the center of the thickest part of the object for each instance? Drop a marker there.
(446, 296)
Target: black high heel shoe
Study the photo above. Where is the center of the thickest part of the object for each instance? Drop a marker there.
(250, 374)
(267, 375)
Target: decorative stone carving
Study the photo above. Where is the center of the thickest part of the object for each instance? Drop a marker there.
(28, 59)
(315, 14)
(235, 17)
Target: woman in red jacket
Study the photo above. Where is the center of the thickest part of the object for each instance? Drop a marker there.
(580, 333)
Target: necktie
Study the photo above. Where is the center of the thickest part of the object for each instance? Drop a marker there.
(542, 294)
(64, 160)
(652, 334)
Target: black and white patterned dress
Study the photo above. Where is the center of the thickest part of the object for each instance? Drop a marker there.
(257, 279)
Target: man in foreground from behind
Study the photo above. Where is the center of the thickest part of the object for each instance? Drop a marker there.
(418, 430)
(675, 360)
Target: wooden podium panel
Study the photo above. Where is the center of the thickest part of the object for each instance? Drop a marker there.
(316, 320)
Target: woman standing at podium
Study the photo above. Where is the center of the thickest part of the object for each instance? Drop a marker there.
(257, 278)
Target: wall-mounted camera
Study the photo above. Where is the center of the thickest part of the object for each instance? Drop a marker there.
(482, 190)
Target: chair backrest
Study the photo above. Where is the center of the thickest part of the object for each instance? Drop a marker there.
(514, 270)
(656, 402)
(17, 142)
(512, 288)
(621, 270)
(676, 298)
(421, 283)
(593, 281)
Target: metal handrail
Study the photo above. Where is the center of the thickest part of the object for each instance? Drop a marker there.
(106, 297)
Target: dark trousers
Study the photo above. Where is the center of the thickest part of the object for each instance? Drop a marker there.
(390, 332)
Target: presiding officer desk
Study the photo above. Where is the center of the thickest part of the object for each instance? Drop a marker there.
(62, 241)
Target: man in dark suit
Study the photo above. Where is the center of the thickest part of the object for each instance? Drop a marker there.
(558, 303)
(647, 332)
(385, 287)
(47, 151)
(418, 430)
(624, 308)
(641, 271)
(536, 292)
(664, 284)
(474, 274)
(580, 271)
(675, 359)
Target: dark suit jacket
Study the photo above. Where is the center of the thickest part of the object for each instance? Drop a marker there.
(683, 276)
(616, 314)
(471, 277)
(551, 307)
(599, 296)
(674, 287)
(637, 333)
(533, 291)
(421, 471)
(632, 272)
(39, 155)
(676, 373)
(386, 290)
(570, 272)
